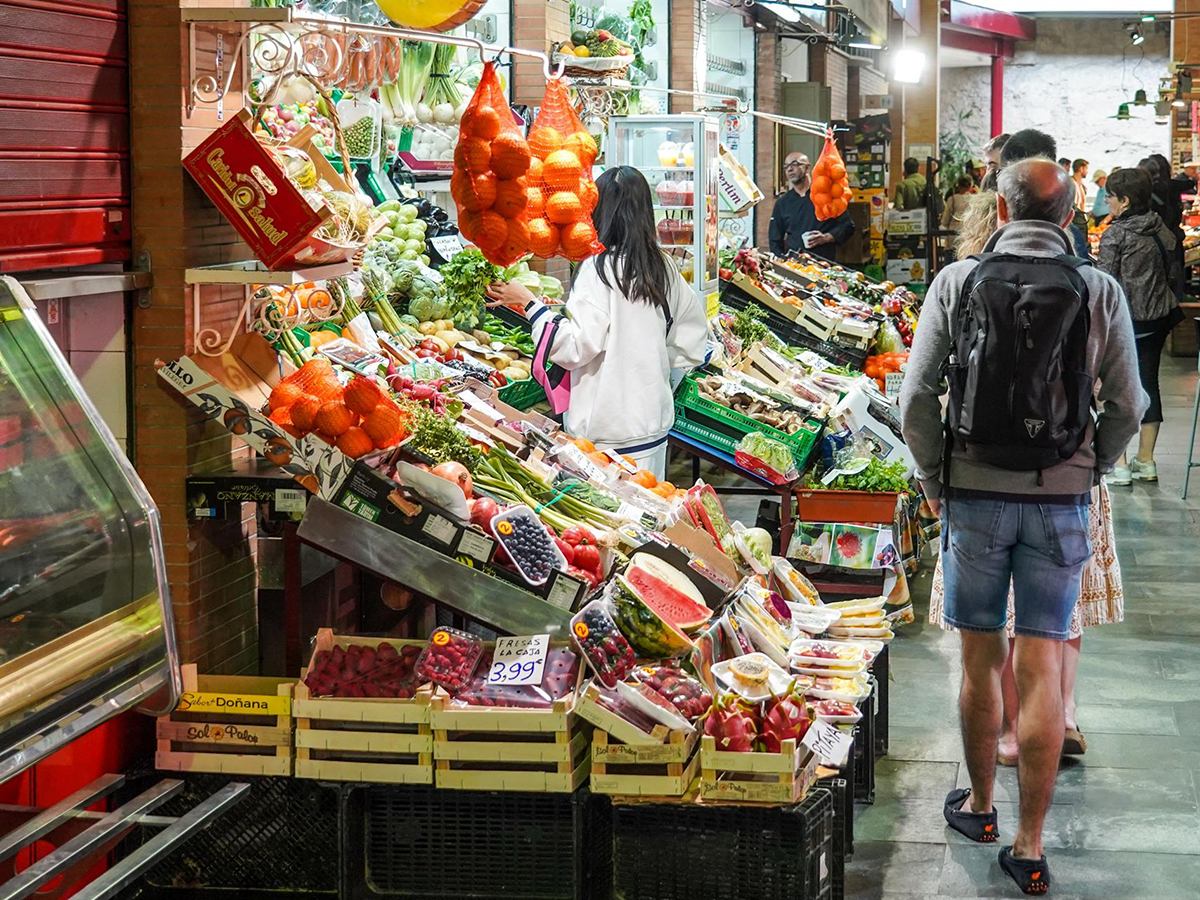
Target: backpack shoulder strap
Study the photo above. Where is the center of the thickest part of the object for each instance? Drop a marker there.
(1075, 262)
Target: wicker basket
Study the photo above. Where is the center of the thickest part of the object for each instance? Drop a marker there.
(593, 67)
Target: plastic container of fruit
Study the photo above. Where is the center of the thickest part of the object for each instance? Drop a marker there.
(685, 692)
(450, 658)
(795, 587)
(777, 681)
(762, 642)
(651, 703)
(848, 690)
(525, 538)
(812, 619)
(559, 675)
(830, 654)
(857, 607)
(611, 700)
(883, 632)
(594, 634)
(837, 712)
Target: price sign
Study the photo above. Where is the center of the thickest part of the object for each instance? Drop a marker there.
(441, 530)
(892, 382)
(830, 745)
(519, 660)
(446, 245)
(577, 460)
(290, 500)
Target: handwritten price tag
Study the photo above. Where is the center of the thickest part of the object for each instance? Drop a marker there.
(519, 660)
(830, 745)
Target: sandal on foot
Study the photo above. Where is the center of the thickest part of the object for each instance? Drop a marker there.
(979, 827)
(1074, 743)
(1031, 875)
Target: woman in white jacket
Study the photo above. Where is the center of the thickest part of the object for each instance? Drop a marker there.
(631, 319)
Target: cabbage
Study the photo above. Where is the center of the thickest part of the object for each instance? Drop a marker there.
(776, 454)
(758, 542)
(552, 288)
(531, 280)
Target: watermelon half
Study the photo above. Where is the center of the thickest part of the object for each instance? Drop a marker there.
(668, 592)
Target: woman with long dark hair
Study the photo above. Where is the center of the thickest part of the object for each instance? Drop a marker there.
(630, 319)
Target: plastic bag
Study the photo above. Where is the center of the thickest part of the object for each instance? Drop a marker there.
(830, 191)
(685, 693)
(562, 193)
(558, 679)
(490, 184)
(766, 457)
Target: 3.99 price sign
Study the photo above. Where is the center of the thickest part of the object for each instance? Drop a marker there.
(519, 660)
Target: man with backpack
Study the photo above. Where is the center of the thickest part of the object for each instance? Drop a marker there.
(1020, 334)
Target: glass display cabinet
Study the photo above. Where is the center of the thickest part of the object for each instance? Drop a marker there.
(678, 156)
(85, 615)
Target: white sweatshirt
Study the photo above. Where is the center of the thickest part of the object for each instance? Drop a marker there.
(620, 357)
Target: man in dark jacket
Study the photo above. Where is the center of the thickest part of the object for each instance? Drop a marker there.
(1028, 143)
(794, 216)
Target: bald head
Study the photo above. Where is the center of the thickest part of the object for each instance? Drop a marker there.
(1035, 190)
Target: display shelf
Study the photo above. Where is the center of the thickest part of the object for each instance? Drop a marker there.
(252, 271)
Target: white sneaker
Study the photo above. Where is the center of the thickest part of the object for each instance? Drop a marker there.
(1120, 476)
(1143, 471)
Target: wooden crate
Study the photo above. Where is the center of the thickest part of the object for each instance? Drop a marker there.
(505, 749)
(377, 740)
(775, 778)
(588, 706)
(662, 770)
(234, 725)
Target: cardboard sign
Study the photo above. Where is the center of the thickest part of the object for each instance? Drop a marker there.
(519, 660)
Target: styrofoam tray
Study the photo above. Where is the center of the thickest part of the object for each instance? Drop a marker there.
(777, 679)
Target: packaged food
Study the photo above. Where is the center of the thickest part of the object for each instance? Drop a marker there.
(706, 511)
(686, 693)
(792, 584)
(653, 704)
(812, 619)
(882, 632)
(767, 457)
(776, 682)
(525, 539)
(364, 671)
(850, 690)
(596, 636)
(736, 641)
(754, 545)
(857, 607)
(765, 633)
(612, 701)
(558, 679)
(450, 658)
(836, 712)
(829, 654)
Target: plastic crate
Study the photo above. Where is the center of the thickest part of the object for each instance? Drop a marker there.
(281, 837)
(864, 751)
(769, 853)
(693, 408)
(523, 394)
(409, 841)
(843, 833)
(795, 335)
(882, 681)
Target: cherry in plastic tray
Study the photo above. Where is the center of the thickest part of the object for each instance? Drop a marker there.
(558, 680)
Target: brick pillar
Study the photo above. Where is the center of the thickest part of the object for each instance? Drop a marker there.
(915, 113)
(767, 99)
(689, 53)
(211, 567)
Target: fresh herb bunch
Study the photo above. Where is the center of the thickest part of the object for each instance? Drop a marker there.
(467, 276)
(437, 437)
(748, 324)
(877, 476)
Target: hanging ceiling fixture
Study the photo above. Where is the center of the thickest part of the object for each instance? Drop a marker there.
(1139, 97)
(1122, 112)
(1137, 34)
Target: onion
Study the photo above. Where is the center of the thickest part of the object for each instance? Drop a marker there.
(443, 113)
(424, 113)
(459, 110)
(457, 473)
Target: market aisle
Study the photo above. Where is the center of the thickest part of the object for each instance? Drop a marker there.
(1125, 824)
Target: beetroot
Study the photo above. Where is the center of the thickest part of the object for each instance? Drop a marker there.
(788, 716)
(730, 722)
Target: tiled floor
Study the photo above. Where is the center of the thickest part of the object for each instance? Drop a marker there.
(1125, 824)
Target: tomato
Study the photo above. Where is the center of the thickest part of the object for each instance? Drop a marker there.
(567, 550)
(587, 557)
(578, 534)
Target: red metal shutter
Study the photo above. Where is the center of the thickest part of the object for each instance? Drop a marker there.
(64, 134)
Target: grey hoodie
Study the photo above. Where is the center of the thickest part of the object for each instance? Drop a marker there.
(1129, 254)
(1111, 358)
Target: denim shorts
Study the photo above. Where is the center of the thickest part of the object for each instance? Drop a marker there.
(1041, 547)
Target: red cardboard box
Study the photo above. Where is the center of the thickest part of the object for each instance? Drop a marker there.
(246, 182)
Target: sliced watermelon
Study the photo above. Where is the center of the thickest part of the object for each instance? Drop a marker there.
(652, 579)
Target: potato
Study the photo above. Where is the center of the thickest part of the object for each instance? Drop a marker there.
(512, 373)
(451, 337)
(427, 328)
(441, 344)
(512, 355)
(445, 324)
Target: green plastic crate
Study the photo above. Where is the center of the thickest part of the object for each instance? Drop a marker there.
(522, 394)
(724, 428)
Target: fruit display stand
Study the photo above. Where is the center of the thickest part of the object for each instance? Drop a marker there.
(756, 776)
(372, 739)
(510, 749)
(229, 724)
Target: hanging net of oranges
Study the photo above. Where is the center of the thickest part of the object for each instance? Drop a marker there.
(490, 181)
(830, 191)
(561, 191)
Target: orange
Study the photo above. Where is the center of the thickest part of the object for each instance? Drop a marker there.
(562, 170)
(383, 424)
(510, 156)
(534, 175)
(510, 198)
(284, 394)
(644, 478)
(355, 442)
(577, 240)
(588, 194)
(334, 417)
(516, 244)
(304, 411)
(472, 155)
(491, 230)
(283, 418)
(837, 171)
(836, 190)
(479, 194)
(544, 140)
(820, 184)
(483, 123)
(535, 203)
(585, 445)
(468, 223)
(543, 237)
(362, 395)
(563, 208)
(582, 145)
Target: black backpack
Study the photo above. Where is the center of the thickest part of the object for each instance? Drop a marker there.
(1020, 390)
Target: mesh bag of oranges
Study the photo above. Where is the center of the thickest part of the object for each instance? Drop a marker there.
(490, 182)
(830, 191)
(562, 193)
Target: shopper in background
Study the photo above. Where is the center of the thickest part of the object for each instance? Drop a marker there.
(1079, 173)
(1136, 250)
(1065, 163)
(910, 192)
(991, 155)
(1027, 525)
(1100, 210)
(1164, 200)
(795, 216)
(1185, 182)
(978, 171)
(958, 204)
(631, 319)
(1028, 143)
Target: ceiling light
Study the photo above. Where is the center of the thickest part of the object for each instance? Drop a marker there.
(866, 44)
(1122, 112)
(1139, 97)
(1178, 103)
(1149, 17)
(1138, 36)
(907, 66)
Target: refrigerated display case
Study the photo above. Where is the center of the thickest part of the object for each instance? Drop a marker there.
(85, 619)
(678, 156)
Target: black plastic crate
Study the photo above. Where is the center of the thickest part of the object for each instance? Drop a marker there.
(671, 851)
(882, 683)
(791, 333)
(426, 844)
(281, 837)
(864, 750)
(843, 834)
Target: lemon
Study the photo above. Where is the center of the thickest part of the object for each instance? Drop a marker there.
(582, 51)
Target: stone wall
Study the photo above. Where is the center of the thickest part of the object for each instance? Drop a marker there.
(1068, 83)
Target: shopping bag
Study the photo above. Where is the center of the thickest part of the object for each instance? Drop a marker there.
(830, 191)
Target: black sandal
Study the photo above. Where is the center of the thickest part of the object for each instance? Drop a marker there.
(1031, 875)
(979, 827)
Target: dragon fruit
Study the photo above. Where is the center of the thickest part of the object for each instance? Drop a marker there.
(787, 716)
(731, 724)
